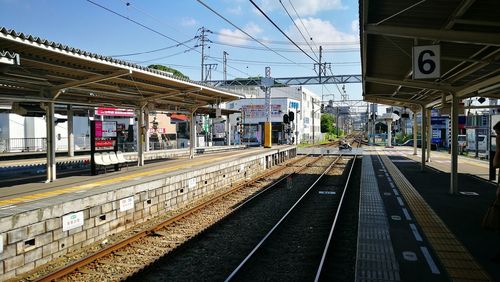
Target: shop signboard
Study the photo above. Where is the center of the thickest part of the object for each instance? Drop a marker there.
(114, 112)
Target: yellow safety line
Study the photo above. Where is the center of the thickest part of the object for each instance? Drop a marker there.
(456, 259)
(41, 195)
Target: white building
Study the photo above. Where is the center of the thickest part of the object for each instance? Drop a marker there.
(304, 104)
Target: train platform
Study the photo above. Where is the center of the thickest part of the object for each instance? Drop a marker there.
(412, 229)
(40, 222)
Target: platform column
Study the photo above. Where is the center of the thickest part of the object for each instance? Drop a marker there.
(389, 133)
(429, 136)
(192, 129)
(51, 137)
(71, 136)
(424, 136)
(454, 145)
(228, 129)
(415, 131)
(140, 136)
(146, 129)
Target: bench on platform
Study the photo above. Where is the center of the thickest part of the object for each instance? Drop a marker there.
(107, 159)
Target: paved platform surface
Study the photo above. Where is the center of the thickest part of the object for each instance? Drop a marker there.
(16, 195)
(436, 236)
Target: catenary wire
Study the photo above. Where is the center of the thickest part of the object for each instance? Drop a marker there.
(275, 25)
(298, 29)
(246, 33)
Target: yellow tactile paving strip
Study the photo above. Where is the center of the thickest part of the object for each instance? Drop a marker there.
(458, 262)
(123, 178)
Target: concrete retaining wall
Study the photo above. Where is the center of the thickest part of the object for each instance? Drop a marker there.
(36, 236)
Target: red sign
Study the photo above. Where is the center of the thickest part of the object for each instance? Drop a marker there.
(104, 143)
(98, 129)
(114, 112)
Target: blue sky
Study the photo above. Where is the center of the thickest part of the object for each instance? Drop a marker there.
(332, 24)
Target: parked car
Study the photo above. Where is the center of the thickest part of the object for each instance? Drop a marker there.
(434, 146)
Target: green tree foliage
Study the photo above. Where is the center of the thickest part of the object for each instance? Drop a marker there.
(326, 123)
(168, 69)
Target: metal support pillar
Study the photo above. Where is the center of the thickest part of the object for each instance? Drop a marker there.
(146, 129)
(51, 142)
(71, 136)
(192, 129)
(267, 108)
(228, 130)
(140, 136)
(429, 136)
(389, 133)
(415, 131)
(454, 145)
(424, 136)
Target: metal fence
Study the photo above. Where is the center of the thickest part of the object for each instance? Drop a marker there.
(23, 145)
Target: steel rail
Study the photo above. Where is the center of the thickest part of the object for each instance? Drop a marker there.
(330, 235)
(254, 250)
(72, 267)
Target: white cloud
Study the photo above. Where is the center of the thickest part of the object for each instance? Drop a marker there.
(188, 22)
(235, 10)
(323, 31)
(304, 8)
(237, 37)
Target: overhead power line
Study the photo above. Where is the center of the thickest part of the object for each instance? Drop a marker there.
(246, 33)
(298, 29)
(152, 51)
(275, 25)
(302, 22)
(283, 49)
(136, 22)
(154, 31)
(280, 42)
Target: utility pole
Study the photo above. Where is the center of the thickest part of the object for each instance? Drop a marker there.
(202, 38)
(266, 83)
(224, 60)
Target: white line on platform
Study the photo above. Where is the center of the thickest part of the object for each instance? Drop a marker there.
(395, 192)
(400, 201)
(415, 232)
(407, 214)
(430, 261)
(7, 207)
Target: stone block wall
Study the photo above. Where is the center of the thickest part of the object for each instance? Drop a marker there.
(36, 236)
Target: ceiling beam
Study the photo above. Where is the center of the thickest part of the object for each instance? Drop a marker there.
(57, 89)
(478, 86)
(411, 83)
(467, 37)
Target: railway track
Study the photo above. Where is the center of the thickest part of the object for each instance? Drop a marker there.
(296, 247)
(128, 256)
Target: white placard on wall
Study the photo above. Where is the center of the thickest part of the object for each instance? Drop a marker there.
(1, 243)
(192, 182)
(126, 204)
(72, 220)
(426, 62)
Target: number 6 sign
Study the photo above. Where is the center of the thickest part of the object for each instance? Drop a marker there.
(426, 62)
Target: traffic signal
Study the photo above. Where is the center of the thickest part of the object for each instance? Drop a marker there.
(286, 119)
(291, 116)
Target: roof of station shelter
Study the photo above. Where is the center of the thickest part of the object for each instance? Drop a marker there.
(37, 70)
(468, 32)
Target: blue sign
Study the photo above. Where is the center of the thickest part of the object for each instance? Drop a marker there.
(294, 105)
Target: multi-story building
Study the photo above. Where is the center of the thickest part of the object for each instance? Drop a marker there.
(303, 103)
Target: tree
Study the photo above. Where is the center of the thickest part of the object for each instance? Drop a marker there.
(326, 123)
(168, 69)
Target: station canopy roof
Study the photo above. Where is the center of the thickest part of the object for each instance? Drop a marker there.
(468, 35)
(37, 70)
